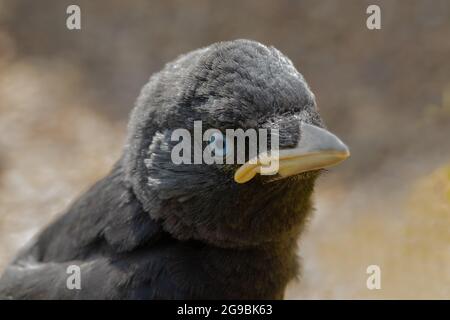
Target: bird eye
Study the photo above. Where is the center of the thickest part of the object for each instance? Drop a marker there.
(219, 143)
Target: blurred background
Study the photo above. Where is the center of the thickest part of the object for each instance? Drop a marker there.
(65, 97)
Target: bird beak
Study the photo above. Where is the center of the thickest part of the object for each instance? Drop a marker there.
(317, 149)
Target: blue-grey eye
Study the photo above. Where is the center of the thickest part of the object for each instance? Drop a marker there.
(219, 143)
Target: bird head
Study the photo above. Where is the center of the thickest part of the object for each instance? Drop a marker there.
(232, 85)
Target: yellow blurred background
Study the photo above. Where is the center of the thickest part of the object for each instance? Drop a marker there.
(65, 98)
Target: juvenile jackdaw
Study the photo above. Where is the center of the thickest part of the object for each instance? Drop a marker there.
(153, 229)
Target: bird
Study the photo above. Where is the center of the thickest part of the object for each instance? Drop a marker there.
(153, 229)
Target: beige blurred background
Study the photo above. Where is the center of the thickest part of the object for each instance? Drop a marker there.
(65, 98)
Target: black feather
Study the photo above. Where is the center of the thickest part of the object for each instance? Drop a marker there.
(155, 230)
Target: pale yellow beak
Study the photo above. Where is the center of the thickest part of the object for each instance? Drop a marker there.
(317, 149)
